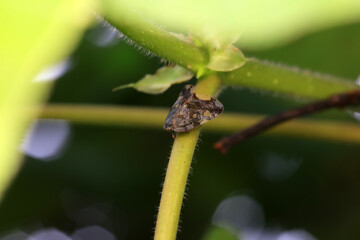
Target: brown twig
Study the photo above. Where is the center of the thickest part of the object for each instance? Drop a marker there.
(335, 101)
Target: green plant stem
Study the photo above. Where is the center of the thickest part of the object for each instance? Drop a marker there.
(178, 170)
(291, 81)
(256, 74)
(106, 115)
(141, 117)
(175, 48)
(174, 185)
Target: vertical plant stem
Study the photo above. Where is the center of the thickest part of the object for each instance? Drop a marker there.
(178, 170)
(174, 186)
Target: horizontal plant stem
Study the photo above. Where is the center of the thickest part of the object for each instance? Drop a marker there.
(263, 75)
(153, 118)
(175, 48)
(256, 74)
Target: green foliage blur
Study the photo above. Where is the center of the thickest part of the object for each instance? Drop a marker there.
(124, 167)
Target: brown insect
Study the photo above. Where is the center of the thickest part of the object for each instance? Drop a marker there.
(191, 110)
(338, 101)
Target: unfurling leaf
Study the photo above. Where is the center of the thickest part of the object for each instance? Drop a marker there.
(226, 59)
(160, 81)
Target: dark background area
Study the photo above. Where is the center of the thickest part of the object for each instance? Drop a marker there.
(117, 172)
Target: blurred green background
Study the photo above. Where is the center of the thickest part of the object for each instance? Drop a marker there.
(111, 176)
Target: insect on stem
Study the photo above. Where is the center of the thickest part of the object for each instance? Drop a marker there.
(336, 101)
(191, 110)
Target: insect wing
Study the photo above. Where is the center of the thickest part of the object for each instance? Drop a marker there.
(194, 111)
(183, 96)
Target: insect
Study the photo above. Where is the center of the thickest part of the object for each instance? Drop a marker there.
(191, 110)
(336, 101)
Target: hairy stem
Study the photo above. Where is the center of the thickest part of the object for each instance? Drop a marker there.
(256, 74)
(291, 81)
(178, 170)
(176, 48)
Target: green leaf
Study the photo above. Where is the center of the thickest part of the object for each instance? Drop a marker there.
(194, 54)
(160, 81)
(34, 34)
(255, 24)
(226, 59)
